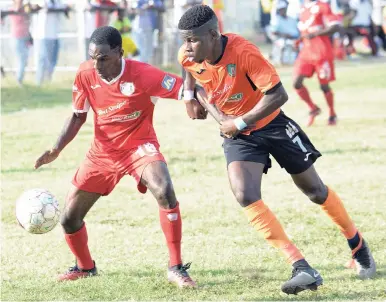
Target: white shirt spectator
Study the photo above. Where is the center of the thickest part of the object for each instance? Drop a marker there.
(46, 25)
(363, 10)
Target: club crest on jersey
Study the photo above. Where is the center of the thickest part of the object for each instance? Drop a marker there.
(168, 82)
(235, 98)
(231, 68)
(127, 88)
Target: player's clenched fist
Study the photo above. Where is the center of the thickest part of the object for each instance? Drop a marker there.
(195, 110)
(46, 158)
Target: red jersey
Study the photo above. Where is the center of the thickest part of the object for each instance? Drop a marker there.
(123, 108)
(315, 16)
(238, 81)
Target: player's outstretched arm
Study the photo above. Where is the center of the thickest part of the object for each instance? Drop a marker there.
(69, 131)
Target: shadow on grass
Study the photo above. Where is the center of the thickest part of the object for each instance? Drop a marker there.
(242, 278)
(15, 98)
(353, 150)
(29, 170)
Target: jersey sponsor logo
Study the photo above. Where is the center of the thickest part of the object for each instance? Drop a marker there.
(74, 88)
(231, 68)
(218, 93)
(127, 117)
(127, 88)
(168, 82)
(200, 71)
(236, 97)
(95, 86)
(111, 108)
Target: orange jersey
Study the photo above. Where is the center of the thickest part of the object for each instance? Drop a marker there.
(238, 81)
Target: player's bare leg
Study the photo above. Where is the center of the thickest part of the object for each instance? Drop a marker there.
(245, 180)
(303, 93)
(78, 203)
(157, 179)
(329, 96)
(310, 184)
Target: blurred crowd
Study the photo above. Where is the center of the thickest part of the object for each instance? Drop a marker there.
(364, 19)
(140, 23)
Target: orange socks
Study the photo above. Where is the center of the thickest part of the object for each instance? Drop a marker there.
(265, 222)
(334, 208)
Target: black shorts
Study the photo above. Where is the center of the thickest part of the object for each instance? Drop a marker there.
(282, 138)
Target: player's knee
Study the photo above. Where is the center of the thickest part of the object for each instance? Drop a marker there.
(246, 197)
(164, 193)
(70, 222)
(317, 194)
(298, 83)
(325, 88)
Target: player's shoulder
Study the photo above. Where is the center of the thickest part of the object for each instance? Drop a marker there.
(240, 46)
(85, 68)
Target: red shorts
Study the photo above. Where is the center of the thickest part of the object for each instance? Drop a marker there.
(324, 69)
(101, 172)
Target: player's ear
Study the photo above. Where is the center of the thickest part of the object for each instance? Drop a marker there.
(121, 52)
(214, 34)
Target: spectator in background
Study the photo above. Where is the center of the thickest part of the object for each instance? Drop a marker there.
(284, 31)
(377, 22)
(46, 27)
(361, 24)
(144, 25)
(96, 14)
(265, 17)
(122, 23)
(20, 22)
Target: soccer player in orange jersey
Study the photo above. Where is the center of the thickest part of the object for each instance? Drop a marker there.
(244, 92)
(122, 94)
(316, 24)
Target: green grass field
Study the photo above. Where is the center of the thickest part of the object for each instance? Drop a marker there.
(230, 260)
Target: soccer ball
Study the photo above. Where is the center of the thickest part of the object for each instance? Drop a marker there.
(37, 211)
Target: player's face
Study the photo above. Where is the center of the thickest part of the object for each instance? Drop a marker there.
(107, 61)
(199, 47)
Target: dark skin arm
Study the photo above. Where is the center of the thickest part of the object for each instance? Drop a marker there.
(194, 109)
(267, 105)
(69, 131)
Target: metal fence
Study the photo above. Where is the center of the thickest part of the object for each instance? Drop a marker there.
(240, 16)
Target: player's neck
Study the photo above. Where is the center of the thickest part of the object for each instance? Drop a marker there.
(218, 51)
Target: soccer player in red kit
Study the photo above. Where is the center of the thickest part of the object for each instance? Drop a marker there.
(316, 24)
(244, 93)
(122, 94)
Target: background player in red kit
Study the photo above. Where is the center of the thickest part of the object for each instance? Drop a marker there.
(122, 94)
(316, 24)
(245, 94)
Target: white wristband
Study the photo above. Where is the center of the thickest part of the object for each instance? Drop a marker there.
(239, 123)
(188, 95)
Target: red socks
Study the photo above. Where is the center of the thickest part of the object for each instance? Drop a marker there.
(171, 225)
(330, 102)
(305, 96)
(77, 242)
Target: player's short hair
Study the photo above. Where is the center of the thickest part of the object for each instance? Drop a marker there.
(106, 35)
(195, 17)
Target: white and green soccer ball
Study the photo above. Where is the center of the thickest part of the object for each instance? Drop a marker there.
(37, 211)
